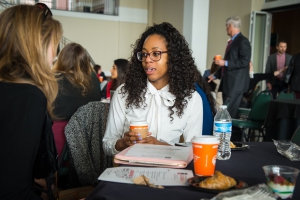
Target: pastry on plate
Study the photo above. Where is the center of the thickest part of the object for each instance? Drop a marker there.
(218, 181)
(232, 145)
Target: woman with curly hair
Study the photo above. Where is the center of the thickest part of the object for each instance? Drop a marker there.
(159, 88)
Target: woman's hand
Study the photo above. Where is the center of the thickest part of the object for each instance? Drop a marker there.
(129, 139)
(151, 140)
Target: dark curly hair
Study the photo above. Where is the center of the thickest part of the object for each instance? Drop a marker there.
(182, 71)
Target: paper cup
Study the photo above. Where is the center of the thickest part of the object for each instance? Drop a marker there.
(218, 57)
(139, 127)
(101, 78)
(205, 150)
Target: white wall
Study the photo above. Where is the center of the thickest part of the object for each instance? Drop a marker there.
(106, 37)
(195, 29)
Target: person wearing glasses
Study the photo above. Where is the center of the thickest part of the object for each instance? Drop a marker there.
(29, 38)
(159, 88)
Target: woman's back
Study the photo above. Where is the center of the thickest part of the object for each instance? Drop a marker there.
(70, 98)
(77, 83)
(22, 112)
(27, 91)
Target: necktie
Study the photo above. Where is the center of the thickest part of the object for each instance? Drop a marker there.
(228, 45)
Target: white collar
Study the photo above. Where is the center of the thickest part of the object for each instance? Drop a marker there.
(168, 98)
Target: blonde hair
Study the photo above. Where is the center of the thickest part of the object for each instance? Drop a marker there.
(74, 62)
(24, 40)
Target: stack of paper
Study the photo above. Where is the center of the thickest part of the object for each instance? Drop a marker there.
(155, 155)
(158, 176)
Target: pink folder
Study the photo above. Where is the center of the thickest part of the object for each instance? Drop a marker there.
(122, 158)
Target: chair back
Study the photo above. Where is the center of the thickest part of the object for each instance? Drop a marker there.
(255, 92)
(260, 106)
(208, 118)
(296, 136)
(84, 133)
(286, 94)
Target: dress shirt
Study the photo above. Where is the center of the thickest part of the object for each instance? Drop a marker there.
(156, 113)
(233, 37)
(280, 58)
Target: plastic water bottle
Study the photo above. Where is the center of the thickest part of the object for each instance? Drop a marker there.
(222, 129)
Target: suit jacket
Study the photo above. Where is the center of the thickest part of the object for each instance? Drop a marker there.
(295, 80)
(236, 78)
(271, 66)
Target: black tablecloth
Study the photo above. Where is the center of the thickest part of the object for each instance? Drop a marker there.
(283, 119)
(243, 165)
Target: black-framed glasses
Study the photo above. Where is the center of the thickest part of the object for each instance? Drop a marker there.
(46, 10)
(154, 55)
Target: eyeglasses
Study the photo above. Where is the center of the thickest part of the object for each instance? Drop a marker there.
(154, 55)
(46, 10)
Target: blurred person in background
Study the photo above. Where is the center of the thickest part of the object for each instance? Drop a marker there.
(77, 86)
(215, 84)
(117, 75)
(255, 78)
(234, 68)
(276, 62)
(295, 75)
(99, 72)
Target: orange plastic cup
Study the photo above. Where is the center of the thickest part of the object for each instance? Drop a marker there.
(101, 78)
(205, 150)
(139, 127)
(218, 57)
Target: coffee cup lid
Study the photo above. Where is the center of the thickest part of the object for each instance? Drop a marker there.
(138, 123)
(206, 139)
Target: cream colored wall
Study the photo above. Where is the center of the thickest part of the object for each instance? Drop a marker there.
(143, 4)
(105, 40)
(219, 11)
(257, 4)
(168, 11)
(109, 40)
(129, 33)
(100, 38)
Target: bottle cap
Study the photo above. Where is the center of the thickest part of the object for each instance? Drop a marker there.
(223, 106)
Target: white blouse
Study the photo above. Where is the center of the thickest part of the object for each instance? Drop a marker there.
(156, 113)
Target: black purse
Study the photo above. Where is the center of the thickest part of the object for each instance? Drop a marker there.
(46, 161)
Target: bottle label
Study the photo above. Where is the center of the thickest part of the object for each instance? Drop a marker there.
(222, 127)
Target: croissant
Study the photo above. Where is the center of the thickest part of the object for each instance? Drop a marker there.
(218, 181)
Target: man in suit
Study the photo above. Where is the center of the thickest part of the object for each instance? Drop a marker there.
(277, 61)
(234, 70)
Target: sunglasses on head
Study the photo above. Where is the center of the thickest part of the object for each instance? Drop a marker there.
(46, 10)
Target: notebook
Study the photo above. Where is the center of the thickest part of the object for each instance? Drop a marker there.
(155, 156)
